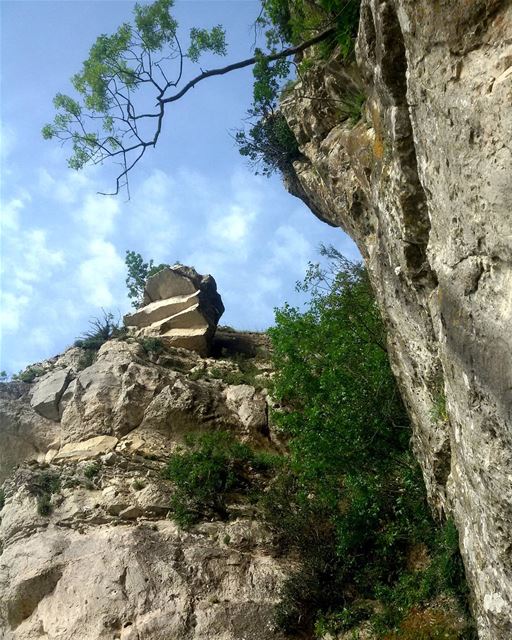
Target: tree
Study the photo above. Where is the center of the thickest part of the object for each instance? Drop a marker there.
(138, 272)
(144, 63)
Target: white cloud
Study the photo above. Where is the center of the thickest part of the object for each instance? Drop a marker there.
(99, 273)
(290, 249)
(98, 215)
(11, 313)
(67, 189)
(232, 228)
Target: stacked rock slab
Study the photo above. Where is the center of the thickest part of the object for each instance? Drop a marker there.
(181, 306)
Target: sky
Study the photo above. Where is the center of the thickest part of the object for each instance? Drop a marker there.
(193, 199)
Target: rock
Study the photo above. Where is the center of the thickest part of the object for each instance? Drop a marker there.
(91, 448)
(250, 407)
(131, 513)
(47, 392)
(422, 184)
(24, 434)
(180, 306)
(107, 562)
(142, 581)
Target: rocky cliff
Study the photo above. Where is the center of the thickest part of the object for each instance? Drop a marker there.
(87, 550)
(422, 183)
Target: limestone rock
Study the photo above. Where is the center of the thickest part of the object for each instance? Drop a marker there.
(422, 184)
(47, 392)
(180, 306)
(91, 448)
(24, 434)
(107, 562)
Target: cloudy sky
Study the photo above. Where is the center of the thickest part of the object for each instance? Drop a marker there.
(193, 199)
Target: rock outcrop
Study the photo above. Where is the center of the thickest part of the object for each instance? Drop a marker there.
(423, 185)
(180, 306)
(87, 549)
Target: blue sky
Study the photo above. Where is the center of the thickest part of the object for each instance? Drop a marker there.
(193, 199)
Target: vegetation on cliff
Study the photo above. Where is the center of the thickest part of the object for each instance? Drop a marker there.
(348, 499)
(351, 499)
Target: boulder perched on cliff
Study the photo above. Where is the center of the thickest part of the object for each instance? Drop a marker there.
(181, 306)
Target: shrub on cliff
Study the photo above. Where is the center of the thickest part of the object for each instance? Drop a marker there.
(351, 500)
(214, 466)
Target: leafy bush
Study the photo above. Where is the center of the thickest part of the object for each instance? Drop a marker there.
(92, 470)
(351, 499)
(86, 359)
(43, 485)
(216, 466)
(351, 107)
(270, 144)
(152, 345)
(295, 21)
(29, 374)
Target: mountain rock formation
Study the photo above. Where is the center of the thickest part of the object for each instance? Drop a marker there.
(180, 306)
(86, 546)
(423, 185)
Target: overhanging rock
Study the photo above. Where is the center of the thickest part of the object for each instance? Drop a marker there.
(180, 306)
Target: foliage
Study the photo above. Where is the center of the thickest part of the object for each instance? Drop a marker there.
(138, 272)
(102, 329)
(130, 76)
(43, 485)
(92, 470)
(109, 118)
(351, 499)
(2, 499)
(138, 484)
(29, 374)
(246, 372)
(294, 20)
(351, 107)
(152, 345)
(439, 412)
(215, 466)
(269, 144)
(86, 359)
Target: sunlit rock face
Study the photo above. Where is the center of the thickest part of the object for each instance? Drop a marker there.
(103, 561)
(423, 184)
(180, 306)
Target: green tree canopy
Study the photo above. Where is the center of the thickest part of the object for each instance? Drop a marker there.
(138, 272)
(145, 63)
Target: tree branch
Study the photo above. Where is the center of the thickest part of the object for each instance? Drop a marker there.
(285, 53)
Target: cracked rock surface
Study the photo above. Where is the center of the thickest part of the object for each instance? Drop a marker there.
(96, 556)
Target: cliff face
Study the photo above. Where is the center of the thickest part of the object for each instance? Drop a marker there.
(422, 184)
(87, 549)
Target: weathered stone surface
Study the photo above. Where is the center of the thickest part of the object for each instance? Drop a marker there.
(150, 581)
(180, 306)
(107, 562)
(47, 392)
(24, 434)
(86, 449)
(422, 184)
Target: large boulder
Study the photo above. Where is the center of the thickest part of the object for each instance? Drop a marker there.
(180, 306)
